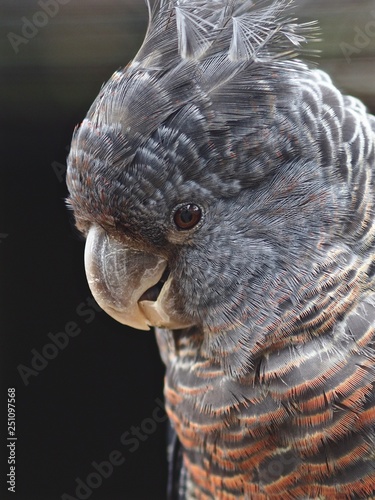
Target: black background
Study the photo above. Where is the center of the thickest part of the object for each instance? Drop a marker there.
(74, 410)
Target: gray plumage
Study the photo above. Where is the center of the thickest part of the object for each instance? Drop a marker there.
(227, 194)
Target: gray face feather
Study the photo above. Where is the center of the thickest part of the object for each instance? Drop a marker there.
(190, 122)
(216, 113)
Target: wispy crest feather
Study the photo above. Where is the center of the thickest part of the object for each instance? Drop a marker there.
(243, 29)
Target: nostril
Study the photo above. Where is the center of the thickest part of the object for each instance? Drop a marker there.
(153, 292)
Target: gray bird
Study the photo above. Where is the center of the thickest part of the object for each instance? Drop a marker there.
(226, 191)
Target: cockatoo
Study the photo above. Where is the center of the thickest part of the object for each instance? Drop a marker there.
(226, 192)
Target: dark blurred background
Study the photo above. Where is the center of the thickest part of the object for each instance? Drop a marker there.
(73, 408)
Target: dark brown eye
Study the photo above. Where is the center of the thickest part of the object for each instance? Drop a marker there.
(187, 216)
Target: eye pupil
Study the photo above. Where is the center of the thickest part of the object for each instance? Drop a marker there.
(187, 217)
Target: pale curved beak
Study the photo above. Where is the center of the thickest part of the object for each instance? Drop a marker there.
(118, 278)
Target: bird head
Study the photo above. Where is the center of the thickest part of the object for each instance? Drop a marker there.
(194, 176)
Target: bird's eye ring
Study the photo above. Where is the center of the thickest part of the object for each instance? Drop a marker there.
(187, 216)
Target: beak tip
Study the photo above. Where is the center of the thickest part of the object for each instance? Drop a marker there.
(135, 319)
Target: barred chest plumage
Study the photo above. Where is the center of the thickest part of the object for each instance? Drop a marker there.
(296, 426)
